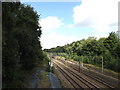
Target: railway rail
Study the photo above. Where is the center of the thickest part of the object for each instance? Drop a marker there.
(82, 79)
(72, 79)
(111, 83)
(106, 80)
(96, 78)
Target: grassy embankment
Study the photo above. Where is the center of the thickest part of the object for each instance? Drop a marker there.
(43, 66)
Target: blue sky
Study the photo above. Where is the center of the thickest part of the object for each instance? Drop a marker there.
(65, 22)
(59, 9)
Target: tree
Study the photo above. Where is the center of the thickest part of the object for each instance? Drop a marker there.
(21, 45)
(110, 42)
(92, 51)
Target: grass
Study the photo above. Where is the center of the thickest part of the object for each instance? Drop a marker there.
(43, 76)
(107, 72)
(100, 68)
(42, 65)
(44, 80)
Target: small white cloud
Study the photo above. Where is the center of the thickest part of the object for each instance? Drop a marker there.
(53, 39)
(50, 23)
(102, 15)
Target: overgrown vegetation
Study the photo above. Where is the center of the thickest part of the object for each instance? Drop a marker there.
(92, 51)
(44, 80)
(20, 43)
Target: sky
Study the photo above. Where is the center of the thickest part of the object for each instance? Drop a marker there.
(65, 22)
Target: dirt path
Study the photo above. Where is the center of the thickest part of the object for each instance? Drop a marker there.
(54, 81)
(51, 82)
(34, 80)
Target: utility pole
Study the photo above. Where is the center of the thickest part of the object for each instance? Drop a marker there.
(66, 62)
(82, 63)
(79, 65)
(118, 36)
(102, 65)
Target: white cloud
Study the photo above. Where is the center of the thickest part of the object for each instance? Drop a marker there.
(50, 23)
(102, 15)
(53, 39)
(49, 36)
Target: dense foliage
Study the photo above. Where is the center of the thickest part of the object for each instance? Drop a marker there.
(92, 51)
(20, 42)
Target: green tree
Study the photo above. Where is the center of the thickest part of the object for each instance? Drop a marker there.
(20, 42)
(111, 42)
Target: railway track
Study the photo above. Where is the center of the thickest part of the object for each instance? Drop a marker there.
(86, 81)
(71, 80)
(63, 78)
(68, 77)
(96, 77)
